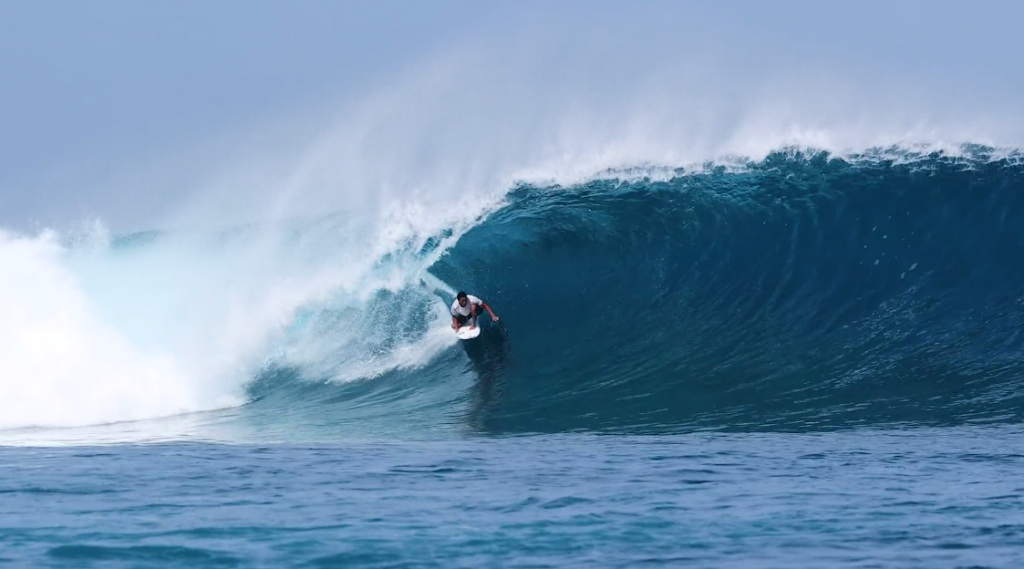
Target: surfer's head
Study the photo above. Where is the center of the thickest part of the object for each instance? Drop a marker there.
(462, 298)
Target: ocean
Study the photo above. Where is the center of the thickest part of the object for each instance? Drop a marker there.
(807, 360)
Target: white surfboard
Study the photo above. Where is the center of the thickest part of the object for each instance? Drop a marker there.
(465, 333)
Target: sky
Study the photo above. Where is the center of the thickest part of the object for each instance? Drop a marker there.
(124, 111)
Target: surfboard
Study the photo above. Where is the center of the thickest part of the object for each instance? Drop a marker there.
(465, 333)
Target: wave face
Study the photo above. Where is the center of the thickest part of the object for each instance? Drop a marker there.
(800, 292)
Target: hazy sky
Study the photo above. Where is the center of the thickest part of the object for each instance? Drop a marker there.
(117, 109)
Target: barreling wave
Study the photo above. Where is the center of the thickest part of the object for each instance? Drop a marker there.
(801, 292)
(804, 291)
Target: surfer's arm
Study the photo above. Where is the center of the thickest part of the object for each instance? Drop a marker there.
(491, 312)
(455, 322)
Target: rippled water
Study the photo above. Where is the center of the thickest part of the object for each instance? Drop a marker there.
(925, 497)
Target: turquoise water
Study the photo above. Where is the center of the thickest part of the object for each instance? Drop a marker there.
(926, 497)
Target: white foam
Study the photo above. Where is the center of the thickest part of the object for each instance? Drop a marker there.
(63, 364)
(97, 332)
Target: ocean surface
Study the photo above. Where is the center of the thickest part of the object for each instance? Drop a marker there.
(809, 360)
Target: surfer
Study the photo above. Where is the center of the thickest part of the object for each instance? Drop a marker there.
(466, 308)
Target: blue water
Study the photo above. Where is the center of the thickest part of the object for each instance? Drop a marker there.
(929, 497)
(804, 361)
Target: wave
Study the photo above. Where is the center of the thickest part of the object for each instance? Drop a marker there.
(803, 291)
